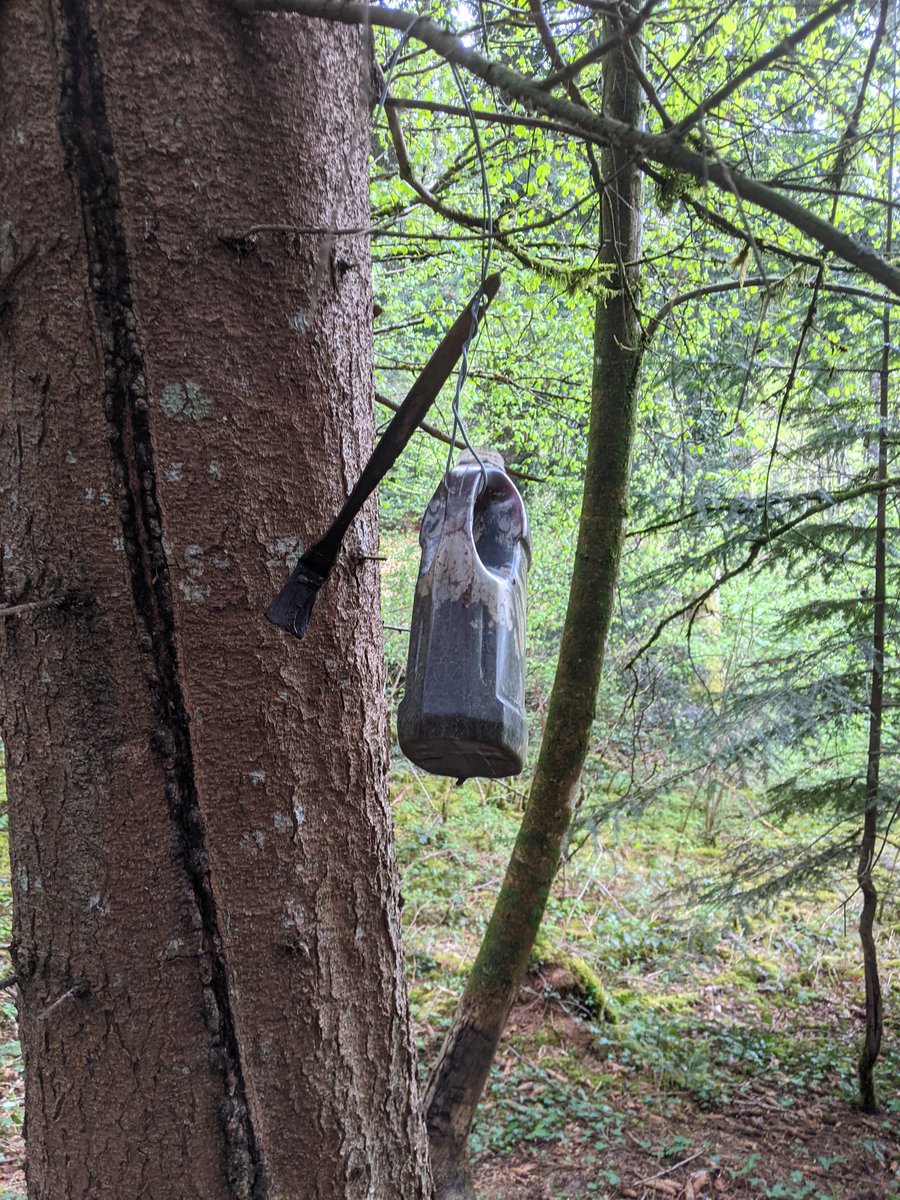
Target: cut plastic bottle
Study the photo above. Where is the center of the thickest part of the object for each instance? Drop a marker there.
(463, 711)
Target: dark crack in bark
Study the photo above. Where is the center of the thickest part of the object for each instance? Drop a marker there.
(90, 161)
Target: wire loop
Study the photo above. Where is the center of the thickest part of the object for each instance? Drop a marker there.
(487, 242)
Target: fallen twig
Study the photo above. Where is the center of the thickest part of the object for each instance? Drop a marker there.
(668, 1170)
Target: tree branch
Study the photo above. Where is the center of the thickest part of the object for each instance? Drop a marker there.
(74, 598)
(784, 47)
(835, 180)
(405, 171)
(724, 225)
(457, 444)
(694, 604)
(568, 279)
(623, 35)
(546, 35)
(638, 143)
(796, 498)
(737, 285)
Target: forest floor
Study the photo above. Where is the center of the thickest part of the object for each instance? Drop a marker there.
(728, 1070)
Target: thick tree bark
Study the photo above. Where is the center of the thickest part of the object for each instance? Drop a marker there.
(206, 907)
(461, 1072)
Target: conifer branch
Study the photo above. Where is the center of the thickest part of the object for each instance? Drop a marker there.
(756, 546)
(875, 485)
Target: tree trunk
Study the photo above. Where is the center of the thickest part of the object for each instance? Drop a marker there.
(462, 1069)
(206, 936)
(871, 1047)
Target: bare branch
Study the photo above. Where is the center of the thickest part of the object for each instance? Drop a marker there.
(76, 598)
(649, 90)
(381, 330)
(483, 114)
(835, 179)
(78, 992)
(724, 225)
(404, 169)
(809, 189)
(736, 285)
(792, 498)
(546, 36)
(585, 277)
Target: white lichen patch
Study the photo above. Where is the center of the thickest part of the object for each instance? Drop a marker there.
(283, 552)
(257, 777)
(367, 542)
(297, 809)
(192, 587)
(299, 322)
(194, 593)
(174, 472)
(184, 401)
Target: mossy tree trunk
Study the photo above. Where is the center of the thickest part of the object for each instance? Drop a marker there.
(462, 1070)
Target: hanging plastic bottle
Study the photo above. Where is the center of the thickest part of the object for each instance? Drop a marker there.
(463, 711)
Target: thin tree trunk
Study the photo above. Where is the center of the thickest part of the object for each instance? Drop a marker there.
(462, 1069)
(206, 935)
(874, 1008)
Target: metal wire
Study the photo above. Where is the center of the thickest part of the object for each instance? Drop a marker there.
(487, 243)
(392, 64)
(459, 425)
